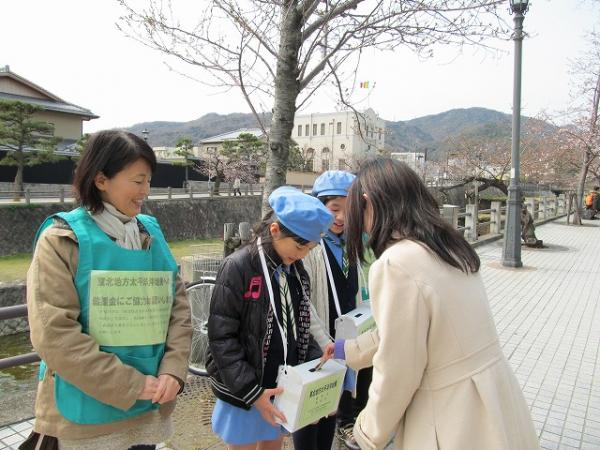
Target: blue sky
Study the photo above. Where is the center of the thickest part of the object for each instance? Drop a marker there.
(73, 49)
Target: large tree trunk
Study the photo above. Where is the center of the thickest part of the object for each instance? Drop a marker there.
(588, 155)
(587, 159)
(18, 183)
(217, 185)
(287, 88)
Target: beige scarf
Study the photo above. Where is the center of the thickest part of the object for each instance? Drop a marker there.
(122, 228)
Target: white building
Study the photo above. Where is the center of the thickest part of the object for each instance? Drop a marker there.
(212, 145)
(206, 147)
(336, 141)
(416, 160)
(168, 153)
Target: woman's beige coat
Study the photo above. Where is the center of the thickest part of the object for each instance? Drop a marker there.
(440, 379)
(53, 308)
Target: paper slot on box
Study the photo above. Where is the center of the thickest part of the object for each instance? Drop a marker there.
(354, 323)
(308, 394)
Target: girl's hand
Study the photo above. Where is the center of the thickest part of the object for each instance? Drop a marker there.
(267, 409)
(328, 351)
(149, 389)
(167, 389)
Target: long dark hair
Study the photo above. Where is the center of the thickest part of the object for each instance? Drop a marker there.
(403, 208)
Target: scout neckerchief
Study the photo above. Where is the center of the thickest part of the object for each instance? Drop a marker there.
(287, 307)
(263, 262)
(336, 300)
(338, 249)
(345, 265)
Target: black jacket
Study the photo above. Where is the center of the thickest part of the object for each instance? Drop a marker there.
(240, 327)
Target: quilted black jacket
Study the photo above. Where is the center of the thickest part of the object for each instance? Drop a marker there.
(240, 327)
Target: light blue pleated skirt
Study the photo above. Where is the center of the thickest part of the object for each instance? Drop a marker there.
(237, 426)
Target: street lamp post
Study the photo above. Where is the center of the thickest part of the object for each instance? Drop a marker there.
(419, 165)
(209, 151)
(511, 254)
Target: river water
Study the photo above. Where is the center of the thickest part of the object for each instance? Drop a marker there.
(17, 384)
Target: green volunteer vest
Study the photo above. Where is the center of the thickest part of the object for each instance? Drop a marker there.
(97, 252)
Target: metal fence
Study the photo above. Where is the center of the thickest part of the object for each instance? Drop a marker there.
(14, 312)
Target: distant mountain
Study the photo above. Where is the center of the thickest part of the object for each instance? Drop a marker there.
(458, 121)
(431, 132)
(166, 134)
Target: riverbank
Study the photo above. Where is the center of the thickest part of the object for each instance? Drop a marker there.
(17, 384)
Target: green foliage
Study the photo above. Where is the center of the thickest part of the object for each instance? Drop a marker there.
(492, 198)
(19, 131)
(247, 147)
(184, 149)
(81, 144)
(296, 160)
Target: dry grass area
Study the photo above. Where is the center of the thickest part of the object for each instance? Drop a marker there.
(14, 268)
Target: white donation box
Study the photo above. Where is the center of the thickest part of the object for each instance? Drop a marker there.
(354, 323)
(309, 394)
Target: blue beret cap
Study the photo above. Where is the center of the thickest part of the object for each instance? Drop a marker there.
(333, 182)
(302, 214)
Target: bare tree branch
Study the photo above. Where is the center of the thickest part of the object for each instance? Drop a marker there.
(269, 49)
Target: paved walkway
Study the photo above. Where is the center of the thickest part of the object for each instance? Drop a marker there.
(548, 318)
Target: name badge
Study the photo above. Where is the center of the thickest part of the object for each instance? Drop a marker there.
(130, 307)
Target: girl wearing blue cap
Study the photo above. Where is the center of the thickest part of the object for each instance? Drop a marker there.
(336, 290)
(260, 319)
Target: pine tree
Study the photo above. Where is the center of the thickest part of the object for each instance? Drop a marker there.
(28, 141)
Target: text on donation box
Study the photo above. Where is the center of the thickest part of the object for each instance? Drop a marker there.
(130, 307)
(354, 323)
(308, 394)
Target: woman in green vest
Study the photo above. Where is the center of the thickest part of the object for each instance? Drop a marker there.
(107, 310)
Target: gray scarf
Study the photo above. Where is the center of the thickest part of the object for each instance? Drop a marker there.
(122, 228)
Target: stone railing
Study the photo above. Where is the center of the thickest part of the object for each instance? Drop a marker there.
(469, 220)
(64, 194)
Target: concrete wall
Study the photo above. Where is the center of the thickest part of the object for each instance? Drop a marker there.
(306, 179)
(180, 219)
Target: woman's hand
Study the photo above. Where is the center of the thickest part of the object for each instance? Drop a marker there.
(328, 351)
(149, 388)
(167, 389)
(267, 409)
